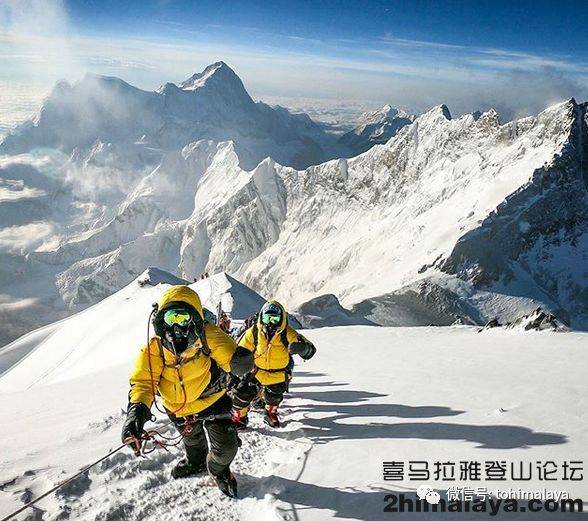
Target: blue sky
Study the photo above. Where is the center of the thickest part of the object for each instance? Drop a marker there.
(540, 26)
(518, 56)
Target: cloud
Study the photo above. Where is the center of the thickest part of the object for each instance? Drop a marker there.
(411, 74)
(35, 39)
(405, 42)
(25, 238)
(518, 92)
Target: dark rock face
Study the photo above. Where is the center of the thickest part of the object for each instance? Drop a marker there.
(539, 320)
(326, 311)
(421, 304)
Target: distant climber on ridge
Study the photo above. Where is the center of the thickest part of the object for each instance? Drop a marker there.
(273, 342)
(186, 362)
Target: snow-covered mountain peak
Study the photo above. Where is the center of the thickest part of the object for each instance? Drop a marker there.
(385, 114)
(377, 116)
(235, 298)
(490, 117)
(211, 105)
(153, 276)
(375, 127)
(439, 112)
(112, 81)
(219, 86)
(218, 72)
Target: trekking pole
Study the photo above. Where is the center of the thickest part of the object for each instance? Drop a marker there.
(58, 486)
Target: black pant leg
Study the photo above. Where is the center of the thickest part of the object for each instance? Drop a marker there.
(222, 436)
(194, 441)
(274, 394)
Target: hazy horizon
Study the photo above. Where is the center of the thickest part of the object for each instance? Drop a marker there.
(517, 60)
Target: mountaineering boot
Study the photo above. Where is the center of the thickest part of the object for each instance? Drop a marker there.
(239, 418)
(226, 483)
(185, 469)
(271, 416)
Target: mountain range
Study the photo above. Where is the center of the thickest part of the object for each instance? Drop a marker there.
(212, 104)
(440, 220)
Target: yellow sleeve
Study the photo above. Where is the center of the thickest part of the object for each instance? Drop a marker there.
(246, 339)
(144, 379)
(222, 346)
(292, 335)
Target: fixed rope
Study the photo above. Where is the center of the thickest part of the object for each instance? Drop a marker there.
(140, 450)
(63, 483)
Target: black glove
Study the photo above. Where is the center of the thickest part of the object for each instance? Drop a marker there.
(303, 349)
(242, 361)
(137, 415)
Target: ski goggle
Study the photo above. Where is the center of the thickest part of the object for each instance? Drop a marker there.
(177, 317)
(266, 318)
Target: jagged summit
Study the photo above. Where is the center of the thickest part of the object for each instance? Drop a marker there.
(438, 111)
(211, 105)
(445, 111)
(217, 72)
(375, 127)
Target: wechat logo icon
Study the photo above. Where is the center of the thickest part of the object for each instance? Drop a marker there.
(428, 494)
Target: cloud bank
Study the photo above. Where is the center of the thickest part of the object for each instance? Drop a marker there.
(38, 45)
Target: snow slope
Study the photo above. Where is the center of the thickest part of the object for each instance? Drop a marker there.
(369, 395)
(120, 317)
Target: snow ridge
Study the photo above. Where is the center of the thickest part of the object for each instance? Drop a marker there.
(459, 219)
